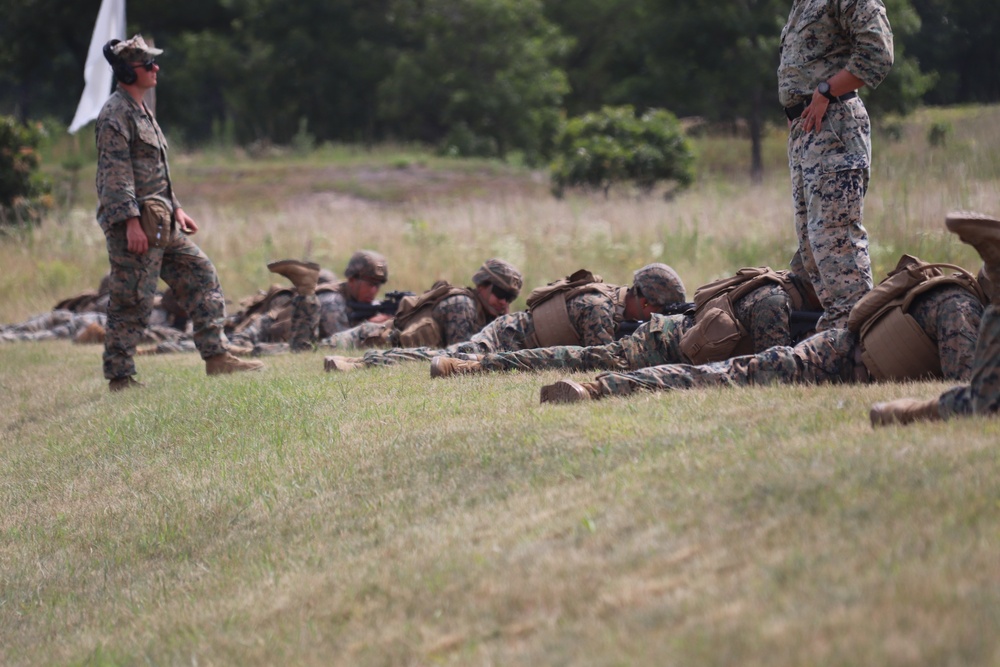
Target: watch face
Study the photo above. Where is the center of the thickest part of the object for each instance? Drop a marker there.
(823, 88)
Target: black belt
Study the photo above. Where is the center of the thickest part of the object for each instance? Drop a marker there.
(795, 111)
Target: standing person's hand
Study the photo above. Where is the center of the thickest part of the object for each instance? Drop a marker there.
(137, 241)
(185, 222)
(814, 113)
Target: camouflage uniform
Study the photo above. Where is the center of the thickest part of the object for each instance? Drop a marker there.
(594, 317)
(52, 325)
(982, 395)
(763, 313)
(830, 168)
(949, 315)
(132, 167)
(319, 316)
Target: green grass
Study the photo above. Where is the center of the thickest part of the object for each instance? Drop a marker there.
(378, 517)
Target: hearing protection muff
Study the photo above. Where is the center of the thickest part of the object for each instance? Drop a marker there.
(123, 71)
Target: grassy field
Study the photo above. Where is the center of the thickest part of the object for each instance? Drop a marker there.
(381, 518)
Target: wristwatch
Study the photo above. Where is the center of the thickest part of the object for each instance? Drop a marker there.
(824, 89)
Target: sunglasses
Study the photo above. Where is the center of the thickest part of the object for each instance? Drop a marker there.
(502, 294)
(148, 65)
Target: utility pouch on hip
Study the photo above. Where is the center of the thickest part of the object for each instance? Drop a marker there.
(715, 334)
(156, 219)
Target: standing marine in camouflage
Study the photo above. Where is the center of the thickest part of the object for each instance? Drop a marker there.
(758, 305)
(145, 227)
(982, 395)
(829, 49)
(927, 331)
(445, 319)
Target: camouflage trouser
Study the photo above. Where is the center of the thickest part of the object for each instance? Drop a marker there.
(654, 343)
(506, 333)
(830, 171)
(305, 323)
(187, 270)
(366, 334)
(50, 326)
(982, 395)
(826, 357)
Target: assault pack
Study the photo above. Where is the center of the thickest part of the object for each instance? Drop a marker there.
(415, 325)
(717, 333)
(894, 345)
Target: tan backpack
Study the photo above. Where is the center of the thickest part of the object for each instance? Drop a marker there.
(717, 334)
(415, 324)
(894, 345)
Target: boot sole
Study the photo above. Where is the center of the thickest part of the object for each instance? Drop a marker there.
(971, 226)
(277, 267)
(564, 391)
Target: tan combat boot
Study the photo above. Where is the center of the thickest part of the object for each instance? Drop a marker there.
(227, 363)
(121, 384)
(304, 275)
(982, 233)
(442, 367)
(904, 411)
(568, 391)
(342, 364)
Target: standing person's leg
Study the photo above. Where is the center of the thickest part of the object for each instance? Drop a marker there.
(132, 288)
(195, 283)
(838, 242)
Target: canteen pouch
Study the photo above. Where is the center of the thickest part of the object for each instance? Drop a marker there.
(714, 336)
(156, 219)
(424, 332)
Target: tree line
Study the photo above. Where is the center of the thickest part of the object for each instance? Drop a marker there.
(473, 77)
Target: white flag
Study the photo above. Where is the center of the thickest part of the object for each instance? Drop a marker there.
(97, 72)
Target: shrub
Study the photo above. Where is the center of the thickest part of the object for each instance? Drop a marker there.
(23, 193)
(599, 149)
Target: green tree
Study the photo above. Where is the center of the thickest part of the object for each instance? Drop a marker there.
(481, 68)
(612, 146)
(21, 187)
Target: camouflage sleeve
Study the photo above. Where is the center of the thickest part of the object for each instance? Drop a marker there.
(763, 313)
(951, 317)
(456, 316)
(593, 317)
(866, 23)
(115, 176)
(333, 316)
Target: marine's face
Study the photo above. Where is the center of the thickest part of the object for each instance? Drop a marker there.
(496, 304)
(362, 290)
(145, 72)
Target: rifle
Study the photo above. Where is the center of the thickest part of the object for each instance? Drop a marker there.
(628, 327)
(359, 311)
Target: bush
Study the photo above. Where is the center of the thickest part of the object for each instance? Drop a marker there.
(23, 193)
(600, 149)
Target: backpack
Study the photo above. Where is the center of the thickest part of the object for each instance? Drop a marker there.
(894, 345)
(717, 334)
(415, 324)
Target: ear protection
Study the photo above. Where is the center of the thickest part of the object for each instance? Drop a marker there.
(123, 72)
